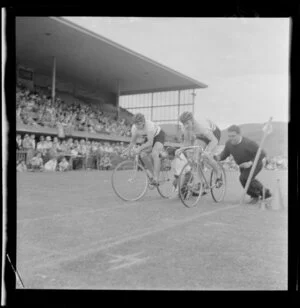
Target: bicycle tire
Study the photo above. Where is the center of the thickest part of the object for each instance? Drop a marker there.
(130, 164)
(185, 187)
(213, 186)
(165, 187)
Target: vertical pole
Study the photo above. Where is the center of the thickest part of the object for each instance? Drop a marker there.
(193, 100)
(118, 98)
(178, 112)
(151, 106)
(53, 80)
(255, 162)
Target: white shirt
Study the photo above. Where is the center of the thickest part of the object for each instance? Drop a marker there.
(202, 126)
(150, 128)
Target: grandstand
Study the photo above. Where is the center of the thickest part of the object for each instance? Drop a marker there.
(91, 86)
(75, 95)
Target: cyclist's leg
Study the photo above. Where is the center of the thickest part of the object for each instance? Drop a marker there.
(209, 158)
(147, 160)
(202, 143)
(158, 146)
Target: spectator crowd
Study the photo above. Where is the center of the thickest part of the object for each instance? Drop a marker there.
(37, 109)
(272, 163)
(61, 154)
(54, 154)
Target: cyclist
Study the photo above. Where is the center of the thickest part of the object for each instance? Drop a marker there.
(154, 138)
(198, 133)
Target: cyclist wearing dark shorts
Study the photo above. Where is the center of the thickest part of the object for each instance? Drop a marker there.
(199, 133)
(154, 139)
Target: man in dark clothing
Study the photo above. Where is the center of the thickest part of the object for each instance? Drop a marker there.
(244, 151)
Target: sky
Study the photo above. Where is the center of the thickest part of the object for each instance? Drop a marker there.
(244, 61)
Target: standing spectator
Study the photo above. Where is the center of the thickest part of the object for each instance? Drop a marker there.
(32, 137)
(19, 142)
(108, 148)
(60, 129)
(41, 146)
(70, 144)
(82, 151)
(48, 143)
(47, 147)
(243, 151)
(63, 147)
(53, 151)
(27, 146)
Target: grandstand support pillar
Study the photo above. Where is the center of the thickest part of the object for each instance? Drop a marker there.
(118, 99)
(53, 79)
(193, 100)
(151, 106)
(178, 112)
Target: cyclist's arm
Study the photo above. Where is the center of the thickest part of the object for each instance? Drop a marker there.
(132, 143)
(224, 154)
(149, 143)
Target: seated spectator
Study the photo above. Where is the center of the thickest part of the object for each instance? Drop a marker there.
(63, 165)
(21, 166)
(36, 163)
(51, 165)
(105, 162)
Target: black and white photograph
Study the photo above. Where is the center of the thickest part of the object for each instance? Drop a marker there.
(151, 153)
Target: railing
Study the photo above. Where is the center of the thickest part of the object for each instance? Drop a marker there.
(21, 155)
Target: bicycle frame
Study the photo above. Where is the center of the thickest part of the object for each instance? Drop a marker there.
(198, 163)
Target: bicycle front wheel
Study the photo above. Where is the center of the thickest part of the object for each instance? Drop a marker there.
(190, 191)
(218, 185)
(166, 187)
(129, 181)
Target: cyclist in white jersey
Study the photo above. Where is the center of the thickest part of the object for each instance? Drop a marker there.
(204, 133)
(154, 138)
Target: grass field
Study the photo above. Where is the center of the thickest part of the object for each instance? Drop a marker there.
(74, 233)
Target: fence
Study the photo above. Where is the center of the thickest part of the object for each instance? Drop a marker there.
(21, 155)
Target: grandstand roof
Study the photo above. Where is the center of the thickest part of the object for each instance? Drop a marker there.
(86, 58)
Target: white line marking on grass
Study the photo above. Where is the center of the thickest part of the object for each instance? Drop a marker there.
(213, 223)
(126, 260)
(96, 247)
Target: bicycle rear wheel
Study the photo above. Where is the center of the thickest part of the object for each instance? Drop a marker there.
(218, 186)
(129, 181)
(190, 191)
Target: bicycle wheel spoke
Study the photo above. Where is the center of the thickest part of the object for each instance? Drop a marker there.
(218, 185)
(190, 190)
(166, 188)
(129, 181)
